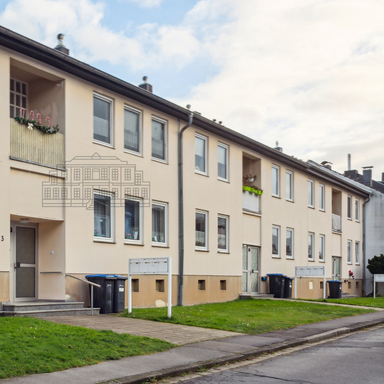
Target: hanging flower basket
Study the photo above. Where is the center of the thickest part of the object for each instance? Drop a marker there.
(253, 190)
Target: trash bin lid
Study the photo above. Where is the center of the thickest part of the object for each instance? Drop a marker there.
(102, 275)
(275, 274)
(334, 281)
(120, 277)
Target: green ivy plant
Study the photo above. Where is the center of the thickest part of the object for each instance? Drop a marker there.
(31, 124)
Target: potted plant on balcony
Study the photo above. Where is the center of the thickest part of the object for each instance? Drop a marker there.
(248, 185)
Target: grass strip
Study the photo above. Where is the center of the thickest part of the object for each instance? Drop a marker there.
(378, 302)
(29, 346)
(248, 316)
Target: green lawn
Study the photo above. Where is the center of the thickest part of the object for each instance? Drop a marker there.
(248, 316)
(378, 302)
(30, 346)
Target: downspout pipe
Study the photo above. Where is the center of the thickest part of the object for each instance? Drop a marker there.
(180, 286)
(364, 244)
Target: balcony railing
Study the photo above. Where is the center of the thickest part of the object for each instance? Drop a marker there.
(36, 147)
(251, 202)
(336, 223)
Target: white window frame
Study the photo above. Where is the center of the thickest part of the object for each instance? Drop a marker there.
(322, 197)
(349, 207)
(14, 92)
(357, 210)
(226, 218)
(322, 248)
(289, 190)
(205, 139)
(160, 243)
(311, 235)
(277, 168)
(140, 113)
(293, 243)
(112, 218)
(357, 253)
(165, 123)
(311, 193)
(278, 255)
(110, 101)
(198, 248)
(140, 239)
(349, 252)
(226, 147)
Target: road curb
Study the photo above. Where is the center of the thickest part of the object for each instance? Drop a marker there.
(236, 357)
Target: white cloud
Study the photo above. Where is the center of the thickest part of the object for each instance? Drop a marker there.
(146, 3)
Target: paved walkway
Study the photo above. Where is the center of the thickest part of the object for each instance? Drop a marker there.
(173, 333)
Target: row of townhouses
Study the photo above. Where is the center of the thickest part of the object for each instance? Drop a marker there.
(131, 175)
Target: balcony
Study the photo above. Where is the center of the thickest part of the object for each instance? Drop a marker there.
(336, 223)
(36, 147)
(251, 202)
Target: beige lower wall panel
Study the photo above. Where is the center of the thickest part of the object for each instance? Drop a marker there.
(336, 245)
(251, 229)
(148, 297)
(4, 286)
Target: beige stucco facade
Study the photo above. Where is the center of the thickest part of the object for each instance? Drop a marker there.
(66, 243)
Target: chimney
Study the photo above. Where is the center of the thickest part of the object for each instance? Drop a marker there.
(382, 177)
(60, 46)
(145, 85)
(367, 176)
(278, 148)
(349, 162)
(352, 174)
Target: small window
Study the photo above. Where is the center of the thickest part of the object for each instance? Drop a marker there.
(18, 99)
(132, 130)
(159, 224)
(357, 210)
(321, 198)
(222, 234)
(321, 284)
(222, 161)
(201, 285)
(159, 139)
(102, 119)
(357, 252)
(349, 252)
(275, 181)
(201, 234)
(133, 220)
(223, 285)
(311, 194)
(349, 207)
(289, 185)
(289, 243)
(200, 154)
(311, 246)
(135, 285)
(321, 247)
(349, 285)
(357, 284)
(275, 241)
(159, 285)
(103, 216)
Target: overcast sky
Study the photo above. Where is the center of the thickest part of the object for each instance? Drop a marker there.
(306, 73)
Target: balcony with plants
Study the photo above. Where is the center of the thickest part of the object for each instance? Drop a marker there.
(251, 190)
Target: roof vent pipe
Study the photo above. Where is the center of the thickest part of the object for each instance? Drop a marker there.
(60, 46)
(278, 148)
(349, 162)
(145, 85)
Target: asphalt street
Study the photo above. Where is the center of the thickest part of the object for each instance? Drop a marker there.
(355, 359)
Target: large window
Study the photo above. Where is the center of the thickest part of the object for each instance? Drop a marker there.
(222, 161)
(103, 216)
(275, 241)
(132, 130)
(222, 234)
(289, 244)
(201, 233)
(159, 139)
(321, 248)
(357, 252)
(311, 246)
(275, 181)
(289, 185)
(321, 197)
(349, 252)
(357, 210)
(159, 223)
(200, 154)
(102, 119)
(133, 220)
(311, 194)
(18, 98)
(349, 207)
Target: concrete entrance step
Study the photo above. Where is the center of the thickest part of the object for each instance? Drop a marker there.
(45, 309)
(346, 295)
(256, 296)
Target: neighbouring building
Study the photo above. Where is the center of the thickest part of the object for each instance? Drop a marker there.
(107, 187)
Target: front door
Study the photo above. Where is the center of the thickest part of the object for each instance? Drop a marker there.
(336, 268)
(25, 262)
(250, 279)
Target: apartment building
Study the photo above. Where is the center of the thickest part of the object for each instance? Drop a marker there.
(131, 175)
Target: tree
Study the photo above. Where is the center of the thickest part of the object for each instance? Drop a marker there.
(376, 264)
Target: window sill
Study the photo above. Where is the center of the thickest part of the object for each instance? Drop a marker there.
(276, 196)
(159, 160)
(357, 264)
(223, 252)
(289, 200)
(103, 144)
(276, 257)
(251, 213)
(311, 260)
(349, 218)
(129, 152)
(357, 221)
(321, 261)
(349, 263)
(201, 173)
(107, 241)
(223, 180)
(201, 250)
(133, 243)
(160, 245)
(311, 206)
(322, 210)
(289, 257)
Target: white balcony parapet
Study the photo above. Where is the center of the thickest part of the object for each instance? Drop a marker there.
(251, 202)
(336, 223)
(36, 147)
